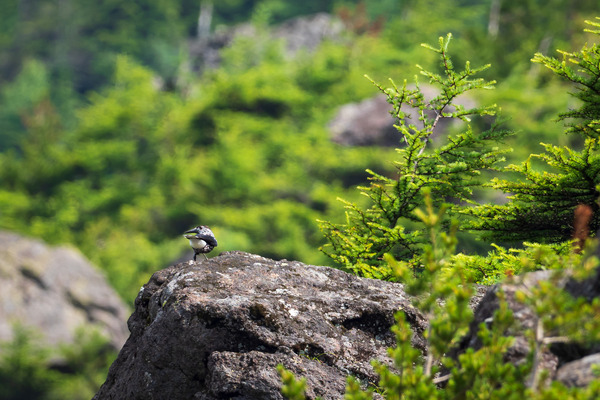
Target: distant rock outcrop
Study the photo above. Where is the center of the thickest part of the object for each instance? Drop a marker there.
(301, 33)
(217, 328)
(55, 290)
(306, 33)
(369, 122)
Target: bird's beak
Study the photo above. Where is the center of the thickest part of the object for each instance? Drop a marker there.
(195, 230)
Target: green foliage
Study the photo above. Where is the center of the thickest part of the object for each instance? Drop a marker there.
(542, 202)
(26, 370)
(85, 365)
(448, 166)
(121, 181)
(77, 184)
(23, 373)
(586, 119)
(442, 291)
(19, 99)
(244, 150)
(501, 262)
(118, 155)
(293, 388)
(504, 33)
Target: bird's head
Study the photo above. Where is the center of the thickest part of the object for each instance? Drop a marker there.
(195, 230)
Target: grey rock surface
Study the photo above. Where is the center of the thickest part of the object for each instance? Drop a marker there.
(217, 329)
(524, 316)
(567, 362)
(579, 373)
(304, 33)
(367, 123)
(55, 291)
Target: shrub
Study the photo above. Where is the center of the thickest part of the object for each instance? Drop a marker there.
(442, 291)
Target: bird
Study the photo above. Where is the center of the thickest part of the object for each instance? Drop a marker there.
(202, 241)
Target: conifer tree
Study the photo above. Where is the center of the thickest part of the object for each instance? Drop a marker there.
(449, 166)
(542, 203)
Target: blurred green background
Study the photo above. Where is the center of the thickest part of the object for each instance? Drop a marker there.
(113, 141)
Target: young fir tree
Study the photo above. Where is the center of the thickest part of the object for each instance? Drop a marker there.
(542, 203)
(449, 166)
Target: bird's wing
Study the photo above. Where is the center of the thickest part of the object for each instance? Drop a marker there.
(208, 239)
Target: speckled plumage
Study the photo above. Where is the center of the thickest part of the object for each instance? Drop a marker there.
(202, 241)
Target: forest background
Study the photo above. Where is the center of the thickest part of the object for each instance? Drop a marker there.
(112, 142)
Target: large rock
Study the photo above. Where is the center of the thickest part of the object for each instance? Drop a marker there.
(55, 291)
(217, 329)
